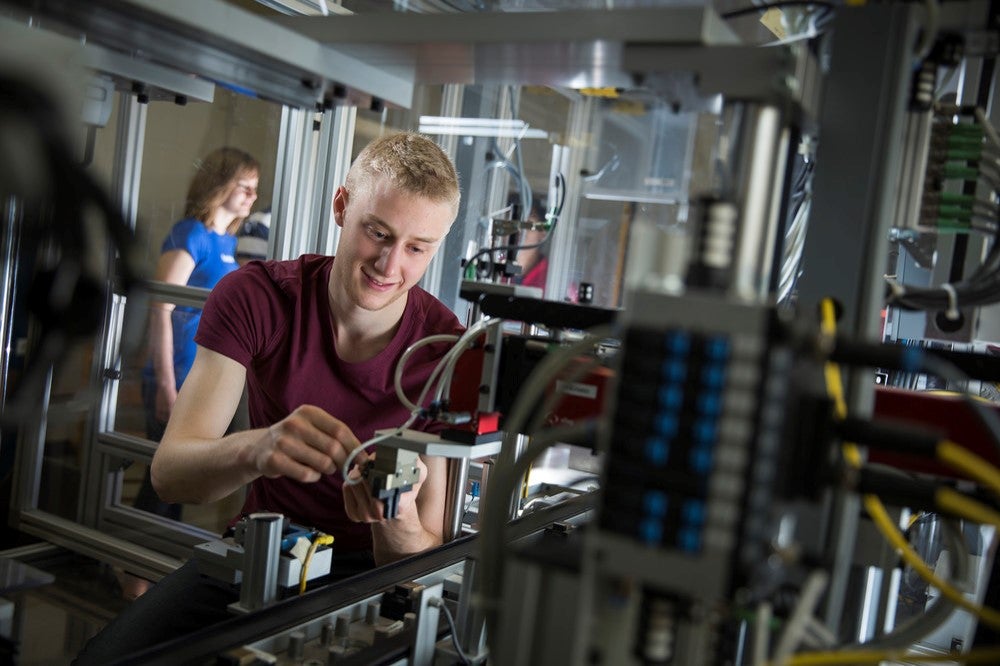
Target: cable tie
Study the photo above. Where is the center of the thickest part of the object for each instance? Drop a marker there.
(952, 313)
(898, 290)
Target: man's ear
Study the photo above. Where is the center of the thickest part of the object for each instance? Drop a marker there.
(339, 205)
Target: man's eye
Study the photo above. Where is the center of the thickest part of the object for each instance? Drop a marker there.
(378, 235)
(416, 250)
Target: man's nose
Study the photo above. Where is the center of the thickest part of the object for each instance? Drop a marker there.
(388, 260)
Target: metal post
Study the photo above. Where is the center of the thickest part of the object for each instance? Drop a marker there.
(10, 237)
(762, 162)
(126, 174)
(336, 143)
(261, 549)
(454, 510)
(451, 107)
(469, 622)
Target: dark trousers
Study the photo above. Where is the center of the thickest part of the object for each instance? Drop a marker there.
(182, 602)
(179, 604)
(147, 499)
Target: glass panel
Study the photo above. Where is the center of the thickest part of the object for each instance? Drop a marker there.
(178, 139)
(180, 164)
(213, 517)
(69, 410)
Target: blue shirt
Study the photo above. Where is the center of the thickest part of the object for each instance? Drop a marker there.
(214, 256)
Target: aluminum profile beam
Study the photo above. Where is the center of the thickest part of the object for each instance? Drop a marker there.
(567, 48)
(229, 46)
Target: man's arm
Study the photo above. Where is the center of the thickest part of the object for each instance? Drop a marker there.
(419, 524)
(195, 463)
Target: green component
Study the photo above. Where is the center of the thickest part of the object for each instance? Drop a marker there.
(960, 171)
(964, 154)
(946, 223)
(965, 141)
(956, 198)
(967, 129)
(956, 212)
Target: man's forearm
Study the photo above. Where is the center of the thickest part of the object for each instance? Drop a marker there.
(401, 537)
(203, 470)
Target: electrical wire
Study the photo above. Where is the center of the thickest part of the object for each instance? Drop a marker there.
(962, 506)
(319, 540)
(975, 467)
(439, 603)
(923, 624)
(552, 217)
(349, 461)
(880, 517)
(502, 484)
(444, 368)
(810, 595)
(873, 505)
(503, 481)
(451, 360)
(857, 657)
(401, 365)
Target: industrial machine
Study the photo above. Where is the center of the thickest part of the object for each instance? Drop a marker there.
(765, 483)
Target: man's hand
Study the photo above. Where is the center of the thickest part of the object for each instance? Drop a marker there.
(362, 507)
(303, 446)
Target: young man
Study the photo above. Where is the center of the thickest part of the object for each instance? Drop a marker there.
(315, 341)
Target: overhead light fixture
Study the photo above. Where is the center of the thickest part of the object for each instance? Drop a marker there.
(501, 129)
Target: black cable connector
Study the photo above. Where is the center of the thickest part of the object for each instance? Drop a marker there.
(889, 436)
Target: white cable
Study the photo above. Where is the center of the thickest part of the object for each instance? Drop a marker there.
(470, 335)
(401, 365)
(349, 461)
(987, 126)
(952, 313)
(437, 602)
(791, 637)
(762, 634)
(929, 34)
(446, 363)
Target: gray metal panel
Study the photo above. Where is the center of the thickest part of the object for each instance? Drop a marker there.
(220, 42)
(694, 24)
(568, 48)
(660, 311)
(846, 250)
(862, 119)
(101, 547)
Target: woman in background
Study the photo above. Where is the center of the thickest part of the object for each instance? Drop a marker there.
(198, 251)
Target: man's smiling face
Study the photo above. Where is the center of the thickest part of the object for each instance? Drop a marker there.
(389, 238)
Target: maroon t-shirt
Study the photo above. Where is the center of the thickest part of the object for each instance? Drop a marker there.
(274, 318)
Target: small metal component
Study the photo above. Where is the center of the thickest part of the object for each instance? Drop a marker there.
(373, 612)
(343, 627)
(327, 634)
(394, 472)
(335, 654)
(296, 645)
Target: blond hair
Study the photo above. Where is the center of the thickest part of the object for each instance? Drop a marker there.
(410, 162)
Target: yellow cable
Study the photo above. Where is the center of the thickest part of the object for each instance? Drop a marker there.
(965, 507)
(892, 534)
(320, 540)
(965, 461)
(834, 381)
(874, 505)
(983, 656)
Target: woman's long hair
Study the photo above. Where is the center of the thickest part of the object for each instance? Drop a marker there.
(214, 181)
